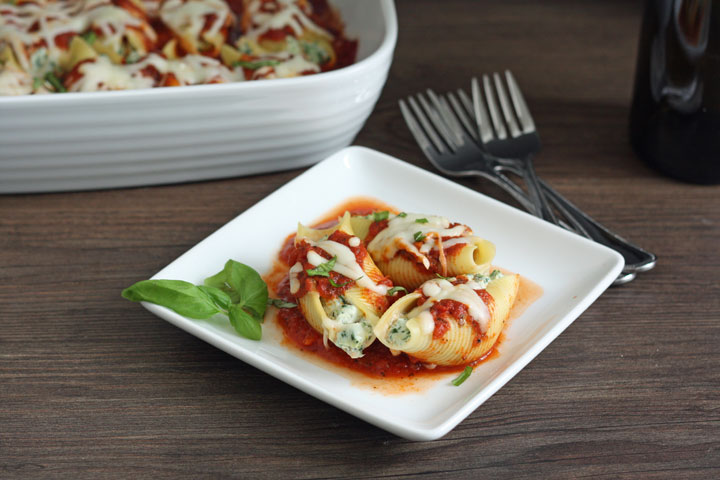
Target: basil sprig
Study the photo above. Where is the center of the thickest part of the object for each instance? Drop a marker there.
(237, 291)
(463, 376)
(421, 220)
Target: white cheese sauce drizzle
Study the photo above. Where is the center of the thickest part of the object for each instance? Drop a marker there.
(401, 232)
(441, 289)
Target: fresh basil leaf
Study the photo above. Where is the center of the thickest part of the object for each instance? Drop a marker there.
(255, 64)
(251, 289)
(244, 286)
(221, 299)
(418, 236)
(397, 289)
(219, 280)
(279, 303)
(463, 376)
(402, 214)
(244, 323)
(380, 216)
(177, 295)
(421, 220)
(322, 270)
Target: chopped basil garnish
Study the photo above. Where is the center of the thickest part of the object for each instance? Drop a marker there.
(402, 214)
(421, 220)
(397, 289)
(440, 276)
(238, 292)
(37, 82)
(255, 64)
(89, 37)
(380, 216)
(418, 236)
(463, 376)
(55, 82)
(324, 269)
(279, 303)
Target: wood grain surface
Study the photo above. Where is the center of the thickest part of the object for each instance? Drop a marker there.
(94, 386)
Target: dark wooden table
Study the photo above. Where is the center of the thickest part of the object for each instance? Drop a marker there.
(92, 385)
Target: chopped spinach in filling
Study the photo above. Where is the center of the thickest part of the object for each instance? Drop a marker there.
(354, 331)
(484, 280)
(398, 334)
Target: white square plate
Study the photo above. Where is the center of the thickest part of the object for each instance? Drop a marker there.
(572, 271)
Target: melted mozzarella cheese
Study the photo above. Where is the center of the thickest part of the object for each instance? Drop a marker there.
(190, 16)
(198, 69)
(345, 264)
(15, 82)
(102, 74)
(401, 232)
(293, 275)
(289, 14)
(113, 21)
(441, 289)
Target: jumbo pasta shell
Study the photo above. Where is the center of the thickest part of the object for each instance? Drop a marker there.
(343, 335)
(460, 344)
(474, 257)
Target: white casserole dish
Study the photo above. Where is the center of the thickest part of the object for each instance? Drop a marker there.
(78, 141)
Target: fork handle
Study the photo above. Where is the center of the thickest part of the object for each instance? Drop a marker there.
(636, 259)
(535, 191)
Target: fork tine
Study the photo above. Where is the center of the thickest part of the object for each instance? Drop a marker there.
(438, 144)
(451, 121)
(443, 111)
(462, 114)
(521, 108)
(440, 126)
(492, 106)
(479, 112)
(422, 139)
(505, 106)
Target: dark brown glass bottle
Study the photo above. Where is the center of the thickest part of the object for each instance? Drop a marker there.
(675, 116)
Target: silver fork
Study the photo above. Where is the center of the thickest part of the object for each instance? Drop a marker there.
(508, 131)
(452, 151)
(636, 259)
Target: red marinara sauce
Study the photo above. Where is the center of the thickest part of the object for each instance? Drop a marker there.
(377, 361)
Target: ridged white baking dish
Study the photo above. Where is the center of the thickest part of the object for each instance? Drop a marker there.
(80, 141)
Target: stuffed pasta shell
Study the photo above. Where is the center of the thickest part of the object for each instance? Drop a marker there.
(452, 321)
(412, 248)
(338, 288)
(200, 26)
